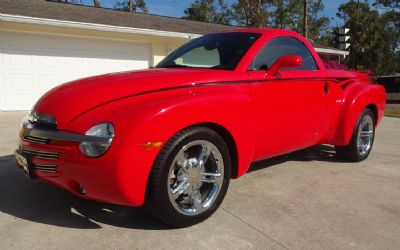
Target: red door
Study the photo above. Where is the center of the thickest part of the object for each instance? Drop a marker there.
(290, 110)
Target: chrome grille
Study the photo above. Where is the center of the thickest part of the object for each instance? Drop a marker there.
(35, 139)
(45, 168)
(41, 154)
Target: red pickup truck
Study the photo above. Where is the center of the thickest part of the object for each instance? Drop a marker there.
(173, 136)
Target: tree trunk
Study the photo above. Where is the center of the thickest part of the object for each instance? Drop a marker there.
(395, 42)
(305, 24)
(96, 3)
(130, 5)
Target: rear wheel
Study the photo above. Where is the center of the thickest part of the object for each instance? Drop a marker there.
(362, 139)
(189, 178)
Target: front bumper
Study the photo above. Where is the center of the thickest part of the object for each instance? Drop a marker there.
(53, 156)
(31, 131)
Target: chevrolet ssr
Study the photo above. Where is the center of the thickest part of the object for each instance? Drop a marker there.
(173, 136)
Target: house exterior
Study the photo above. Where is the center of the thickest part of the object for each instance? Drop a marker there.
(44, 44)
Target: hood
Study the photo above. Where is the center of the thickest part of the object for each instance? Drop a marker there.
(69, 100)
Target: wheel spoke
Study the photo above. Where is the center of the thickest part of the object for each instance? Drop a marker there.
(208, 180)
(210, 177)
(365, 121)
(366, 133)
(208, 174)
(360, 145)
(180, 188)
(181, 176)
(203, 155)
(196, 199)
(181, 161)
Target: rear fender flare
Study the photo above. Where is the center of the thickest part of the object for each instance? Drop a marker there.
(358, 96)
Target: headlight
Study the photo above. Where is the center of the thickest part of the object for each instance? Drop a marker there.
(95, 149)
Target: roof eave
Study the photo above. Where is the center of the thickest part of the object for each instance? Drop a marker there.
(94, 26)
(122, 29)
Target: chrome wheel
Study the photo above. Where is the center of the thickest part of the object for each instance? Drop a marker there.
(365, 135)
(195, 177)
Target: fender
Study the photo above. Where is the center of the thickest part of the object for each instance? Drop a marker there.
(357, 97)
(143, 116)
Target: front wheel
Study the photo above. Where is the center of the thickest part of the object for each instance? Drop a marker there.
(189, 178)
(362, 139)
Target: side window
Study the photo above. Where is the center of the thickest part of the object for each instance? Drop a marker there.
(282, 46)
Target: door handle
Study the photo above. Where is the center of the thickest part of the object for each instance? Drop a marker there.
(326, 88)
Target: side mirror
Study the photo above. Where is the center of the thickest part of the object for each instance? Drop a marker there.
(284, 62)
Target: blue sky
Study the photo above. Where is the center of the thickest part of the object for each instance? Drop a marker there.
(175, 8)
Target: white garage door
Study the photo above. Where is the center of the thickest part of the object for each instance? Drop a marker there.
(32, 64)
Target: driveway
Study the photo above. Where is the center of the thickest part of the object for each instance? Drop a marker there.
(304, 200)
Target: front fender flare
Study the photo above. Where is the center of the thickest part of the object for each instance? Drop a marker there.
(229, 109)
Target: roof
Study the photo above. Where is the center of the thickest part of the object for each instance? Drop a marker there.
(44, 9)
(86, 14)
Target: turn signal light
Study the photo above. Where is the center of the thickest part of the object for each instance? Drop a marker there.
(152, 145)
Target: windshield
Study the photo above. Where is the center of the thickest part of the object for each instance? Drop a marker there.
(216, 51)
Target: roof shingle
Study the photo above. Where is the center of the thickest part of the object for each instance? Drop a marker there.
(87, 14)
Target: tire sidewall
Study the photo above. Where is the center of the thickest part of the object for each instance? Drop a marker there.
(355, 133)
(169, 152)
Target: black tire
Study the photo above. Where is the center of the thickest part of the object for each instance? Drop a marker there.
(158, 202)
(351, 151)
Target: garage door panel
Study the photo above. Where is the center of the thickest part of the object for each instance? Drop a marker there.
(136, 65)
(122, 65)
(16, 58)
(46, 61)
(20, 101)
(32, 64)
(2, 100)
(46, 81)
(69, 77)
(17, 82)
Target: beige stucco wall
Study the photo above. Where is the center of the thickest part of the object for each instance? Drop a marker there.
(160, 46)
